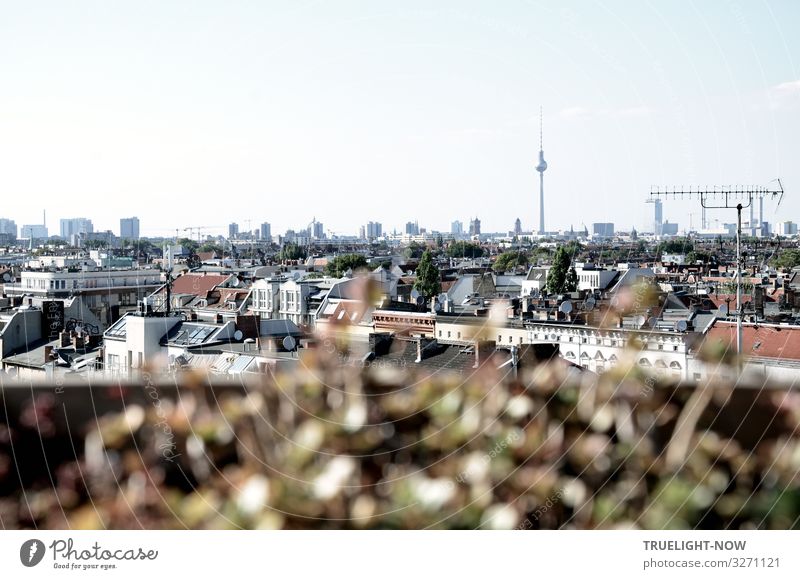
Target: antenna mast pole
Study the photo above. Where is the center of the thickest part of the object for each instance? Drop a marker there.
(724, 198)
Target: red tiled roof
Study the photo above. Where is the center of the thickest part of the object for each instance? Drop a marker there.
(765, 341)
(720, 299)
(195, 284)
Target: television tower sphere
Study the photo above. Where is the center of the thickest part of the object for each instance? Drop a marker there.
(542, 166)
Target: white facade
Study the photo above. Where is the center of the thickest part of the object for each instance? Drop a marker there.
(140, 344)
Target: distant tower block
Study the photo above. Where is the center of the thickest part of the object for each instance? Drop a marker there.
(541, 168)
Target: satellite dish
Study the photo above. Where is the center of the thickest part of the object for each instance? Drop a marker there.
(420, 300)
(565, 307)
(235, 282)
(414, 294)
(590, 303)
(289, 343)
(639, 321)
(238, 335)
(441, 298)
(652, 322)
(681, 326)
(723, 309)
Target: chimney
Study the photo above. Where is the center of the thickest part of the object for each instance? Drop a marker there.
(219, 318)
(77, 342)
(48, 352)
(65, 339)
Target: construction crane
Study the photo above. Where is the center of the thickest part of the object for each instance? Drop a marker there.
(728, 197)
(198, 229)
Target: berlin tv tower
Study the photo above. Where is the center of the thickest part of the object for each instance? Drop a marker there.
(541, 167)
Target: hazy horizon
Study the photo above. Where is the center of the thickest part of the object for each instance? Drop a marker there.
(189, 114)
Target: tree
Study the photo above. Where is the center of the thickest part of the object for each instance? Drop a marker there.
(340, 264)
(429, 280)
(571, 283)
(787, 258)
(413, 251)
(292, 251)
(189, 245)
(509, 260)
(562, 277)
(464, 249)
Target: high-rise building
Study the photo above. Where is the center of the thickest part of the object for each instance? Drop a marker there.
(129, 228)
(658, 217)
(517, 227)
(787, 228)
(266, 232)
(412, 228)
(668, 228)
(374, 230)
(33, 232)
(603, 229)
(456, 228)
(475, 226)
(8, 226)
(8, 231)
(541, 167)
(233, 230)
(317, 231)
(362, 232)
(75, 226)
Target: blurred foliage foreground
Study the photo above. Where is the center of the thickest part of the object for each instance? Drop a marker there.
(330, 447)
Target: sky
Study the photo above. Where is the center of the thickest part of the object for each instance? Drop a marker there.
(201, 113)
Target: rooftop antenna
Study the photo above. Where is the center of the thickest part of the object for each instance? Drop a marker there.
(728, 197)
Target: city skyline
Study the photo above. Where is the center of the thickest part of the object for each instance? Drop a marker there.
(263, 106)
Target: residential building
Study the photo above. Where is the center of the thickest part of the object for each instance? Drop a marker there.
(75, 226)
(603, 229)
(129, 228)
(374, 230)
(8, 231)
(233, 231)
(475, 226)
(412, 228)
(107, 293)
(668, 228)
(457, 228)
(33, 232)
(266, 232)
(787, 228)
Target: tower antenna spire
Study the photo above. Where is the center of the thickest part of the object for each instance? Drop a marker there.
(540, 127)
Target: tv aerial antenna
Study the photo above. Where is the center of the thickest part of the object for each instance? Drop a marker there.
(728, 197)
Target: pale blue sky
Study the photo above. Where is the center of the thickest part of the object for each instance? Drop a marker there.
(193, 113)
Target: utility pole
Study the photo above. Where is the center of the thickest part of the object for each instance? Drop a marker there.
(724, 198)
